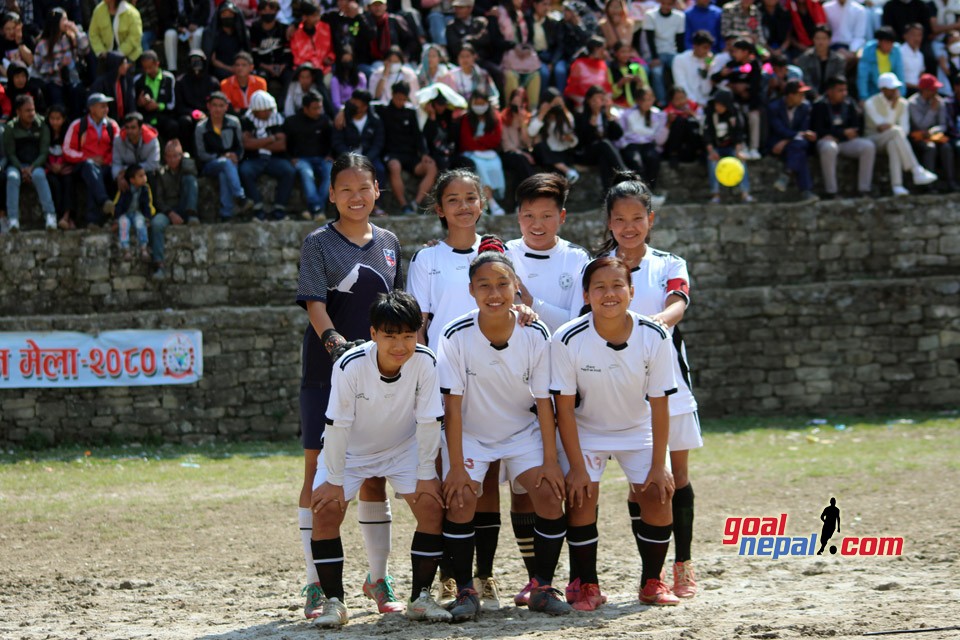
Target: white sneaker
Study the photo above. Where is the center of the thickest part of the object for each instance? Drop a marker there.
(921, 176)
(753, 154)
(572, 176)
(489, 592)
(426, 609)
(13, 226)
(332, 614)
(900, 191)
(50, 221)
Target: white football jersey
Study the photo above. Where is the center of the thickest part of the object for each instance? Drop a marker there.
(659, 275)
(498, 384)
(382, 413)
(611, 381)
(439, 280)
(552, 277)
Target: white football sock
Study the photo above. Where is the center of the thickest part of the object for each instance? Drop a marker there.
(305, 516)
(375, 522)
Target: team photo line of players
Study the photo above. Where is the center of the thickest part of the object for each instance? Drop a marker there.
(526, 363)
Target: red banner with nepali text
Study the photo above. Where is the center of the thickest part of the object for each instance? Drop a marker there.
(109, 359)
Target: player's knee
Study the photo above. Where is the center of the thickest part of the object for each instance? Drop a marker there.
(547, 504)
(655, 512)
(327, 516)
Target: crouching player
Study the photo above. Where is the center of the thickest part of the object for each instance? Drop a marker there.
(492, 374)
(383, 420)
(610, 359)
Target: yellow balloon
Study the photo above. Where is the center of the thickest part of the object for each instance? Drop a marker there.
(729, 171)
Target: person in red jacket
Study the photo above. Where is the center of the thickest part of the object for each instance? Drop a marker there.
(89, 145)
(587, 71)
(311, 41)
(480, 135)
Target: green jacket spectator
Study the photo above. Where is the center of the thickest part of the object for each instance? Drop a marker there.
(26, 147)
(116, 20)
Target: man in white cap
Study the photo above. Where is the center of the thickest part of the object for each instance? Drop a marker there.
(887, 125)
(265, 145)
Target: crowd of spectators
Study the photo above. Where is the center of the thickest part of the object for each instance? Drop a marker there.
(111, 94)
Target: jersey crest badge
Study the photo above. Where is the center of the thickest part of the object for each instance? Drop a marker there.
(566, 281)
(390, 256)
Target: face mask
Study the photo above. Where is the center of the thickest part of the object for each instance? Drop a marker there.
(480, 109)
(955, 48)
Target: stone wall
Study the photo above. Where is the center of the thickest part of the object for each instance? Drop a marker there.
(850, 305)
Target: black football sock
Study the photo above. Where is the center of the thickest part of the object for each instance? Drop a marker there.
(458, 544)
(425, 554)
(583, 550)
(523, 531)
(487, 530)
(653, 543)
(328, 559)
(547, 543)
(682, 522)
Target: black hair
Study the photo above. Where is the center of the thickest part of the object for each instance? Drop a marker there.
(132, 170)
(626, 184)
(243, 55)
(309, 9)
(638, 95)
(468, 47)
(674, 90)
(703, 36)
(885, 33)
(347, 72)
(543, 185)
(133, 116)
(309, 98)
(835, 81)
(593, 90)
(394, 50)
(778, 60)
(21, 100)
(594, 43)
(491, 249)
(362, 95)
(51, 30)
(489, 119)
(746, 45)
(599, 263)
(822, 28)
(351, 161)
(434, 200)
(401, 86)
(61, 136)
(396, 312)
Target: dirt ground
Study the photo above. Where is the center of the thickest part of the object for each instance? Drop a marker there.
(231, 568)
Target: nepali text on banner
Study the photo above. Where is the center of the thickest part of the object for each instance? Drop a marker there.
(110, 359)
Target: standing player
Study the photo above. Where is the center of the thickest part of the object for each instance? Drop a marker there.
(610, 359)
(491, 370)
(438, 280)
(662, 292)
(383, 421)
(548, 268)
(344, 266)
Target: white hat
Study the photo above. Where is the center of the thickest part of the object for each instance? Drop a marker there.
(262, 101)
(889, 81)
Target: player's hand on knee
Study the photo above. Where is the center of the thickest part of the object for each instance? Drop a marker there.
(578, 487)
(551, 474)
(455, 486)
(661, 479)
(429, 488)
(327, 494)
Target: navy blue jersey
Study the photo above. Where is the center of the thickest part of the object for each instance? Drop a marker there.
(348, 279)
